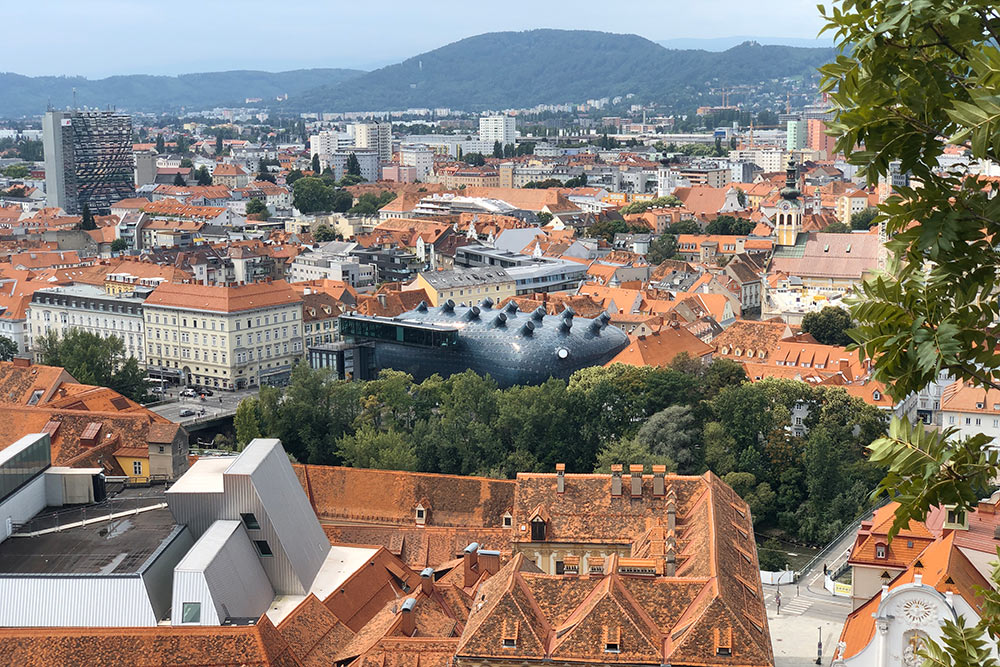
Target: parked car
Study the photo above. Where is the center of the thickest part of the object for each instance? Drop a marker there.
(157, 390)
(186, 412)
(189, 392)
(205, 391)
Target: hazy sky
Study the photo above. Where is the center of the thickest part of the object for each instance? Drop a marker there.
(97, 38)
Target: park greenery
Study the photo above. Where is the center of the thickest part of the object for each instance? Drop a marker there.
(91, 359)
(258, 208)
(8, 348)
(643, 206)
(829, 325)
(727, 225)
(912, 79)
(369, 203)
(803, 480)
(311, 194)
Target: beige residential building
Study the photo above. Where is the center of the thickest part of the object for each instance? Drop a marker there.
(225, 337)
(467, 286)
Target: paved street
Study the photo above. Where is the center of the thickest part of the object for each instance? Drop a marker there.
(212, 404)
(804, 618)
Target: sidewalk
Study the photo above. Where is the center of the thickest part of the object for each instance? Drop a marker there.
(803, 620)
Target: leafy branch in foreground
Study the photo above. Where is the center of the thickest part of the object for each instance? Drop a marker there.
(914, 78)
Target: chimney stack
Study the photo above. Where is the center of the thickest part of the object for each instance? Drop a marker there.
(616, 479)
(635, 473)
(21, 362)
(489, 561)
(470, 564)
(427, 580)
(659, 471)
(407, 623)
(560, 477)
(671, 509)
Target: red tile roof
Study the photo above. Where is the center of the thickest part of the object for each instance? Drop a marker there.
(224, 299)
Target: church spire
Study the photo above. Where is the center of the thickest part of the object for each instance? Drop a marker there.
(791, 190)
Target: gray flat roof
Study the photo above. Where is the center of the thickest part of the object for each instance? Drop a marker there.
(117, 547)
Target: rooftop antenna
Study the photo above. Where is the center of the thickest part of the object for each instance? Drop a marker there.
(74, 98)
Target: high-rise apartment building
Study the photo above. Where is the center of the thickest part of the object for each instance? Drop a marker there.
(327, 142)
(419, 156)
(796, 137)
(497, 128)
(375, 135)
(88, 159)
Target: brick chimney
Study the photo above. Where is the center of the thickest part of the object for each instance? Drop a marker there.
(659, 488)
(470, 564)
(489, 561)
(560, 477)
(616, 479)
(407, 622)
(427, 580)
(21, 362)
(635, 473)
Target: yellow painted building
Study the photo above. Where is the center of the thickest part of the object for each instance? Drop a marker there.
(468, 286)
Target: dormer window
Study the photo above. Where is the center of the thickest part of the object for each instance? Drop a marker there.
(877, 395)
(879, 551)
(956, 519)
(420, 514)
(509, 643)
(611, 647)
(508, 520)
(612, 639)
(980, 406)
(538, 529)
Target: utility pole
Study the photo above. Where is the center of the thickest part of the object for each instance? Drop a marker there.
(819, 647)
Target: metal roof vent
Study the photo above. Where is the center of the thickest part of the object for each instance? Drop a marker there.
(566, 325)
(568, 313)
(538, 313)
(472, 313)
(595, 326)
(422, 307)
(448, 306)
(511, 307)
(604, 318)
(527, 328)
(500, 321)
(486, 303)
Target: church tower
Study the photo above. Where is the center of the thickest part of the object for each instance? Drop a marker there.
(788, 222)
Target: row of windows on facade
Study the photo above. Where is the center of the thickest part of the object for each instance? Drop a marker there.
(210, 324)
(978, 421)
(263, 352)
(124, 309)
(70, 318)
(220, 341)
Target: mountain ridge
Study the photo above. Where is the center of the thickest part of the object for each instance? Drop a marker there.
(497, 70)
(521, 69)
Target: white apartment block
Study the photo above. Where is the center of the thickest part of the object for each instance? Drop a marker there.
(91, 309)
(970, 410)
(368, 161)
(768, 159)
(375, 136)
(225, 337)
(328, 142)
(497, 128)
(419, 156)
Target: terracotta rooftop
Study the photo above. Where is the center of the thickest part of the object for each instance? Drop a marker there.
(660, 348)
(224, 299)
(387, 497)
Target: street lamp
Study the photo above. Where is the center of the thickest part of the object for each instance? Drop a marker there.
(819, 647)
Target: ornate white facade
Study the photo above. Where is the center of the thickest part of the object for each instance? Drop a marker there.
(906, 617)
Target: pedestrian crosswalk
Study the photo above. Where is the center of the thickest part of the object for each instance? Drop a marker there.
(790, 605)
(795, 606)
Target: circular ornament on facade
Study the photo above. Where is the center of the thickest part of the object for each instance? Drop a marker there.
(917, 611)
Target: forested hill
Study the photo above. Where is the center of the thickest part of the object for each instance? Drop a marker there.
(29, 96)
(520, 69)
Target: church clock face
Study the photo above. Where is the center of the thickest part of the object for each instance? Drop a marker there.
(784, 206)
(917, 611)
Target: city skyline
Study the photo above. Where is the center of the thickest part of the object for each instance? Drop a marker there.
(320, 42)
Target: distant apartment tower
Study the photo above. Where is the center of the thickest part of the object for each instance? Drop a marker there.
(88, 159)
(797, 136)
(325, 143)
(497, 128)
(419, 156)
(376, 136)
(145, 168)
(368, 161)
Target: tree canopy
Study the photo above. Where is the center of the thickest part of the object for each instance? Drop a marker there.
(8, 348)
(314, 195)
(92, 359)
(829, 325)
